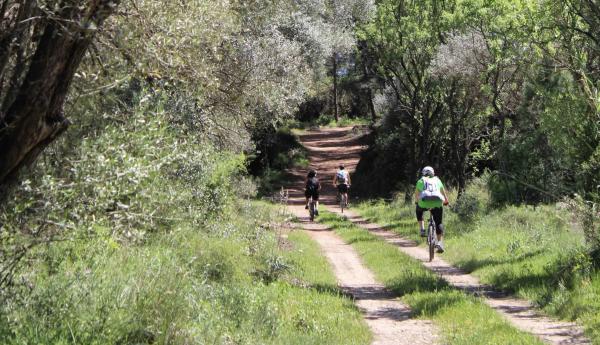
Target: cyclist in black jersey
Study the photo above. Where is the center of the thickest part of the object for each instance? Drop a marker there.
(312, 188)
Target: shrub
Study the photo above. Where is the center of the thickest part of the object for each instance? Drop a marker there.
(473, 201)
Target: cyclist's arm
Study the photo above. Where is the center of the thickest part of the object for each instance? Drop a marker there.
(445, 196)
(416, 195)
(349, 182)
(334, 179)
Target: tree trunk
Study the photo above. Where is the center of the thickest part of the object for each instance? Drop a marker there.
(335, 93)
(35, 118)
(371, 105)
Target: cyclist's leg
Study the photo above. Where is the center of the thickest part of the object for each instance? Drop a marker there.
(344, 190)
(419, 213)
(438, 215)
(316, 200)
(307, 196)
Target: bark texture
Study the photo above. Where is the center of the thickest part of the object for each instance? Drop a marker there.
(41, 55)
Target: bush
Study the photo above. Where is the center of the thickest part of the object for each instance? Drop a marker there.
(120, 186)
(473, 202)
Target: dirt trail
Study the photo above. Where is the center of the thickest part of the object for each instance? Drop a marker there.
(327, 149)
(388, 318)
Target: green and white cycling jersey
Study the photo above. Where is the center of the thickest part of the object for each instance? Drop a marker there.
(430, 192)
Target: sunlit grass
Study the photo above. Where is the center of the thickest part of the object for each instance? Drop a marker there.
(232, 283)
(463, 319)
(535, 253)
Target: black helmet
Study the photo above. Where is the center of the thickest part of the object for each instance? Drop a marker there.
(342, 166)
(312, 173)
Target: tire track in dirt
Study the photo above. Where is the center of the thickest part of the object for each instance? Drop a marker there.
(521, 313)
(388, 318)
(327, 149)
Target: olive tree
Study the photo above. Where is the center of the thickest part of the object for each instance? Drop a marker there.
(42, 44)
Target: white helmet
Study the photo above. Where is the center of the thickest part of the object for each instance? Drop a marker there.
(427, 171)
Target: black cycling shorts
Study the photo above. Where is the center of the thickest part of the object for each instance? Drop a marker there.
(342, 188)
(438, 215)
(308, 194)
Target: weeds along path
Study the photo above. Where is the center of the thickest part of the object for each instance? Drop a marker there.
(388, 318)
(330, 147)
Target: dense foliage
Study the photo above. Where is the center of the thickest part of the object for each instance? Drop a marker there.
(509, 86)
(144, 196)
(170, 102)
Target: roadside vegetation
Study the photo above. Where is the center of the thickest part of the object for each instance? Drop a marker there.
(134, 134)
(538, 253)
(276, 154)
(128, 209)
(144, 236)
(463, 319)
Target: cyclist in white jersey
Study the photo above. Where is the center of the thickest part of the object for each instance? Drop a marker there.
(341, 181)
(430, 194)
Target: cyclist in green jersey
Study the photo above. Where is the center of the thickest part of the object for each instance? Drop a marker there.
(430, 194)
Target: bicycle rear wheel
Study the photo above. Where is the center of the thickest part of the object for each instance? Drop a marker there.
(431, 239)
(342, 202)
(311, 210)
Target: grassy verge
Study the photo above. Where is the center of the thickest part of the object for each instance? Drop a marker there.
(332, 312)
(143, 235)
(534, 253)
(234, 285)
(462, 318)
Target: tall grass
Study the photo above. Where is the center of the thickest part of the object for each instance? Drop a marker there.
(537, 253)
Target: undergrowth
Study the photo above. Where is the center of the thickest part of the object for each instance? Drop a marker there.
(143, 234)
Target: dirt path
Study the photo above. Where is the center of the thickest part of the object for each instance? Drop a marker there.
(387, 317)
(327, 149)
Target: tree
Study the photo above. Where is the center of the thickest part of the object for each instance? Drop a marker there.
(42, 45)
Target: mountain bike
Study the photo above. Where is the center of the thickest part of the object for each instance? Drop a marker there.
(312, 207)
(431, 236)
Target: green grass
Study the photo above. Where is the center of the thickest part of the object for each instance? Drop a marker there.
(188, 287)
(143, 234)
(344, 122)
(338, 313)
(535, 253)
(463, 319)
(309, 266)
